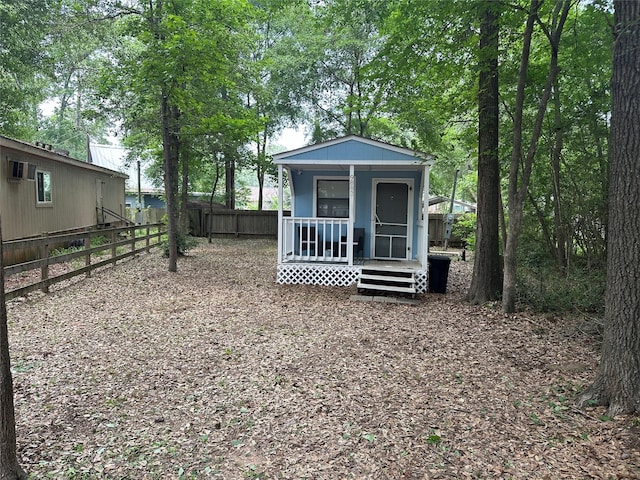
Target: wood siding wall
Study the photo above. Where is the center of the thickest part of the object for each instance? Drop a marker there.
(75, 195)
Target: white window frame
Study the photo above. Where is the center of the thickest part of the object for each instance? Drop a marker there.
(45, 201)
(343, 178)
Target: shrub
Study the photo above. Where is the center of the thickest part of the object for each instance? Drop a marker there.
(185, 243)
(544, 289)
(464, 228)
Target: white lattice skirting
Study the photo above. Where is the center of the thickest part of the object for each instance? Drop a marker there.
(326, 275)
(333, 276)
(422, 281)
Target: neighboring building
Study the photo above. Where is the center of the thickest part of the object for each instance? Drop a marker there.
(442, 204)
(117, 158)
(441, 221)
(44, 190)
(269, 197)
(357, 216)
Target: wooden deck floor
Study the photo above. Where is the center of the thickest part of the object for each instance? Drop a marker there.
(393, 264)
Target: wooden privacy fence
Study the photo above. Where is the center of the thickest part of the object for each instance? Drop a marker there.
(436, 232)
(220, 222)
(132, 239)
(237, 223)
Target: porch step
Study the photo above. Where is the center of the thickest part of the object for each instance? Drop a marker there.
(388, 280)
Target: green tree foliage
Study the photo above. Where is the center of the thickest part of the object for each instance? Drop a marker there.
(432, 49)
(268, 96)
(431, 57)
(567, 200)
(83, 35)
(334, 69)
(24, 63)
(178, 75)
(235, 73)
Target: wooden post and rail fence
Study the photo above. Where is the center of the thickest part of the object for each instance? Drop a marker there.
(233, 223)
(115, 244)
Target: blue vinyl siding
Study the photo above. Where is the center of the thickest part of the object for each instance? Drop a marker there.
(303, 186)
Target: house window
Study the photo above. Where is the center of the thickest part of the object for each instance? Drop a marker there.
(332, 198)
(43, 187)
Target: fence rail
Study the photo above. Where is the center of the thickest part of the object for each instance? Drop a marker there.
(130, 237)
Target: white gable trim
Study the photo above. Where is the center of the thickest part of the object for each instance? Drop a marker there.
(281, 157)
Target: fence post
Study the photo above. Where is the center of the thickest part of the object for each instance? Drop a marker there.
(133, 238)
(147, 242)
(44, 268)
(87, 257)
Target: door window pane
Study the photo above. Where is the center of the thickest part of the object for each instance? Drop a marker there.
(382, 247)
(392, 202)
(399, 247)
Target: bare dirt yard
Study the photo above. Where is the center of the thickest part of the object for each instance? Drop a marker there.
(218, 372)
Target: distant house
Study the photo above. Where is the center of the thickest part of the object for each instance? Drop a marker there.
(440, 204)
(117, 158)
(358, 215)
(44, 190)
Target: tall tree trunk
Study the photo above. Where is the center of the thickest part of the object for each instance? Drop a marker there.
(184, 190)
(229, 182)
(558, 217)
(502, 221)
(487, 271)
(519, 185)
(213, 192)
(513, 229)
(261, 166)
(617, 384)
(260, 188)
(170, 147)
(544, 226)
(9, 467)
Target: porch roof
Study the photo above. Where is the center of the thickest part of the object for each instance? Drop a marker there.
(361, 152)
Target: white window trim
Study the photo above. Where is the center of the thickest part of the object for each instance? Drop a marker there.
(315, 189)
(44, 203)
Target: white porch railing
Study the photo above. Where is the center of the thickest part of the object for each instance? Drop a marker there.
(317, 240)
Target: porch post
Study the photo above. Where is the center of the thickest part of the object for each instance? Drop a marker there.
(280, 215)
(425, 220)
(352, 213)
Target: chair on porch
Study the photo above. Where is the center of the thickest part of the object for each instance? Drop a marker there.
(358, 244)
(307, 241)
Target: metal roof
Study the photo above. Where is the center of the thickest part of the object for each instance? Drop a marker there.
(119, 158)
(47, 151)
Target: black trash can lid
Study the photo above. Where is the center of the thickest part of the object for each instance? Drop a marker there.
(439, 258)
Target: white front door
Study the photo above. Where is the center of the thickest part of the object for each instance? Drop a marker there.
(391, 225)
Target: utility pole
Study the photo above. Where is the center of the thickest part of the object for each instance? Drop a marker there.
(448, 221)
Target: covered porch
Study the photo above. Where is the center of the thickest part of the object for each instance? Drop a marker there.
(325, 240)
(355, 202)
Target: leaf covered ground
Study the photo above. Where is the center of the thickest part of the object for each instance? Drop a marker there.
(218, 372)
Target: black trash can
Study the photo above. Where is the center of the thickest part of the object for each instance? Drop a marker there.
(438, 273)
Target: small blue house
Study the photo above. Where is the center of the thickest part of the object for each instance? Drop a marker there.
(358, 215)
